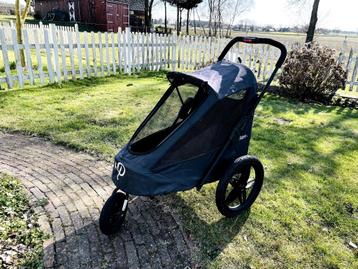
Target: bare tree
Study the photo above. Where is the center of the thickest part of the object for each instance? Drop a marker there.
(235, 9)
(189, 5)
(314, 16)
(20, 20)
(223, 14)
(313, 22)
(166, 14)
(211, 6)
(194, 21)
(148, 6)
(165, 18)
(181, 5)
(197, 13)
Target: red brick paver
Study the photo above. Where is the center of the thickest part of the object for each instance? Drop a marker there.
(75, 186)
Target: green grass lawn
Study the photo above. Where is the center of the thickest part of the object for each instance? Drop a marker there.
(307, 212)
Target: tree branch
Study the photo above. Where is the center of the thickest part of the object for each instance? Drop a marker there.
(26, 10)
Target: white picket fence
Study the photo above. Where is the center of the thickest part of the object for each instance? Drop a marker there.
(56, 54)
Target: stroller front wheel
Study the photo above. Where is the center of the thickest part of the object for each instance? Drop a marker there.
(113, 213)
(239, 188)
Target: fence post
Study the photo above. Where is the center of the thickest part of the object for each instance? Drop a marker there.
(28, 56)
(120, 52)
(151, 51)
(354, 74)
(114, 62)
(38, 56)
(17, 59)
(6, 59)
(48, 55)
(70, 49)
(128, 51)
(63, 54)
(349, 60)
(87, 54)
(94, 56)
(125, 50)
(53, 31)
(79, 50)
(142, 40)
(107, 53)
(174, 51)
(101, 53)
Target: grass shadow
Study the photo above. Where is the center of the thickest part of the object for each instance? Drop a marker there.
(211, 236)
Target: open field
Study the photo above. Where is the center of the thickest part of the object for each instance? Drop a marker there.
(330, 40)
(307, 212)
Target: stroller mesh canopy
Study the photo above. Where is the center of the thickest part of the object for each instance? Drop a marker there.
(208, 134)
(168, 115)
(224, 77)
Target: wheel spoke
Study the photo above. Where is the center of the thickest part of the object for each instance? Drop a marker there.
(243, 193)
(250, 183)
(235, 193)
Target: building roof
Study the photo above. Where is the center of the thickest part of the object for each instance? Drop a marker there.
(136, 5)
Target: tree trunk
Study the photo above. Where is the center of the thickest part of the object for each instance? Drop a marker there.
(165, 17)
(210, 16)
(202, 25)
(150, 13)
(187, 21)
(146, 17)
(19, 24)
(313, 22)
(219, 17)
(194, 22)
(178, 20)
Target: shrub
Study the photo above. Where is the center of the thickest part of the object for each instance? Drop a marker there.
(312, 73)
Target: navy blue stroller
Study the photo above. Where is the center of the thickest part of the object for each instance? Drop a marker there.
(197, 133)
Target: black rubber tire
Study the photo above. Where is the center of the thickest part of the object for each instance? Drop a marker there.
(112, 216)
(239, 166)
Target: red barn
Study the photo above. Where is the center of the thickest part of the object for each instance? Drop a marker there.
(105, 15)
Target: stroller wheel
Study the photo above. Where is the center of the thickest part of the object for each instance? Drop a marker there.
(240, 186)
(113, 213)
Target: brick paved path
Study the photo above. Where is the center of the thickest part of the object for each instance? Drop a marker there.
(76, 186)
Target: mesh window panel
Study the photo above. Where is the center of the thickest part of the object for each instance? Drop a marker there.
(208, 134)
(164, 121)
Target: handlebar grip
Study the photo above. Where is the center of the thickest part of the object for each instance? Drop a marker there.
(256, 40)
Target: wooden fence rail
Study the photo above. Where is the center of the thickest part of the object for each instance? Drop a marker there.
(55, 54)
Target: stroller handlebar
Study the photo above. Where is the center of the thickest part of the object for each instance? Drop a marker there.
(256, 40)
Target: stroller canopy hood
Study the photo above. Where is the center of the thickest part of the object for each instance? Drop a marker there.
(223, 77)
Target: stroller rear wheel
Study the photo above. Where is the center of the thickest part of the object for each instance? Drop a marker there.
(113, 213)
(240, 186)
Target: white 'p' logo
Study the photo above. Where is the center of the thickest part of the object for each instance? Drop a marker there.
(120, 169)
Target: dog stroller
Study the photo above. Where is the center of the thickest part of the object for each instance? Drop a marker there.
(197, 133)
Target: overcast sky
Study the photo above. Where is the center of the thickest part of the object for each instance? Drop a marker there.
(333, 14)
(342, 14)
